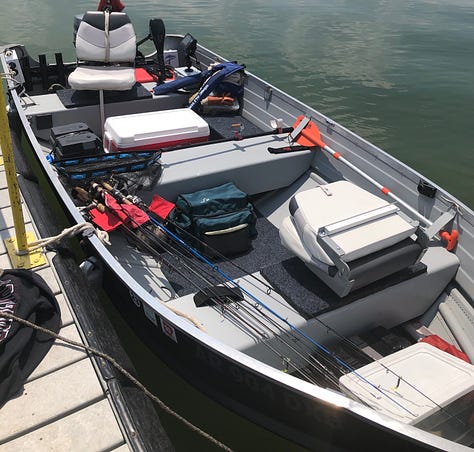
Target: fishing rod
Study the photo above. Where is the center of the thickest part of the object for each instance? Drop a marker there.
(277, 315)
(225, 308)
(253, 317)
(98, 192)
(338, 360)
(122, 180)
(230, 309)
(234, 308)
(293, 327)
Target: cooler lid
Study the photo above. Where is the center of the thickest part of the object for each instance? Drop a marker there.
(155, 126)
(430, 378)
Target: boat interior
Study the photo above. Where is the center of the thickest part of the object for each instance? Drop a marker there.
(335, 277)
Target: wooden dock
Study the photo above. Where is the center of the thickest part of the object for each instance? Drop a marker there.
(64, 404)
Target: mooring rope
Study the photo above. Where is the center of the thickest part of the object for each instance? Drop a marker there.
(124, 372)
(80, 228)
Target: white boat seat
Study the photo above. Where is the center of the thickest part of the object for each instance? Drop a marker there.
(105, 50)
(348, 236)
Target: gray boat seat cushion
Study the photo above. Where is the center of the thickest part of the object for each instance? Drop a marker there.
(359, 231)
(106, 50)
(342, 200)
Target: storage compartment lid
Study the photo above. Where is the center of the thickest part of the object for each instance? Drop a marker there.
(430, 379)
(155, 127)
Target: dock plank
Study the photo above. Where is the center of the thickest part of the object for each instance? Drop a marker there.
(4, 196)
(50, 278)
(66, 315)
(3, 181)
(123, 448)
(6, 217)
(47, 399)
(60, 355)
(80, 431)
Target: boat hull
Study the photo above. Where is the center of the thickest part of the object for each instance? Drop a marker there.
(294, 415)
(314, 421)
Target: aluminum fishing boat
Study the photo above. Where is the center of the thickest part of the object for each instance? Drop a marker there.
(330, 298)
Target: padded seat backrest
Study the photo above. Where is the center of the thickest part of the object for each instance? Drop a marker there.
(97, 41)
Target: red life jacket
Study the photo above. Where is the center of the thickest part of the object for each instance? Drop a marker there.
(440, 343)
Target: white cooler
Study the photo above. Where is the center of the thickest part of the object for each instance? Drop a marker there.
(154, 130)
(436, 374)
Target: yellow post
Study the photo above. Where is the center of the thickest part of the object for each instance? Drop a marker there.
(16, 246)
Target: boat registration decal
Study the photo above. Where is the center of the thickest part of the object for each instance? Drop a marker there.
(168, 330)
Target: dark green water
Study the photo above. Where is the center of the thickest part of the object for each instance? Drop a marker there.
(398, 73)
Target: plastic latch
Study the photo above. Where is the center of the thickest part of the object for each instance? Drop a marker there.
(426, 189)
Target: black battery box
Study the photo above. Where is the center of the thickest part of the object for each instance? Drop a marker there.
(74, 140)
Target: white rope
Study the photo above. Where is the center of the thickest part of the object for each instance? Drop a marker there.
(185, 316)
(84, 228)
(453, 204)
(9, 77)
(22, 93)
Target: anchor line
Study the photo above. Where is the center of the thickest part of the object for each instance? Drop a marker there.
(293, 327)
(224, 306)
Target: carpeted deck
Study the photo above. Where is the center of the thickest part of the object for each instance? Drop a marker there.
(75, 98)
(311, 297)
(287, 274)
(266, 250)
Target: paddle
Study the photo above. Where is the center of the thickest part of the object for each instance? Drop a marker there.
(310, 136)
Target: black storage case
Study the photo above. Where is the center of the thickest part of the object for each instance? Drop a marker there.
(74, 140)
(75, 127)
